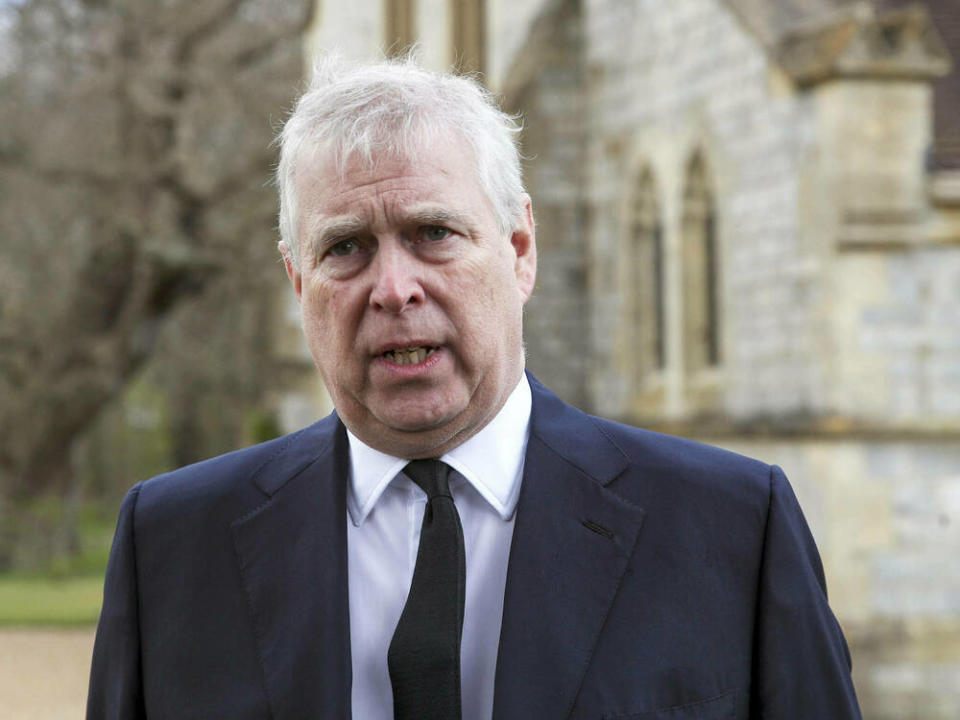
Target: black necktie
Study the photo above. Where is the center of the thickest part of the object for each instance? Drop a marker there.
(424, 655)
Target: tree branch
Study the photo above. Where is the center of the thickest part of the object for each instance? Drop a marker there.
(187, 46)
(59, 175)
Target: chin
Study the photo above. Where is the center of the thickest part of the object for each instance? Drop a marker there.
(418, 423)
(426, 411)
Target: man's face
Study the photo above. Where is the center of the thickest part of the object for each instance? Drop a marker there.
(411, 298)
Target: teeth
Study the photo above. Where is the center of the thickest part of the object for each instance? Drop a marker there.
(409, 356)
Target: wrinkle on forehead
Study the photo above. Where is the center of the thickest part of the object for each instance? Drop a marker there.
(320, 177)
(386, 185)
(408, 139)
(400, 146)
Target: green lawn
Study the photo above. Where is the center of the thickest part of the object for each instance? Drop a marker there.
(50, 601)
(67, 589)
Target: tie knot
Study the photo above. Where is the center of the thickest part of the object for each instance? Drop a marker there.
(431, 476)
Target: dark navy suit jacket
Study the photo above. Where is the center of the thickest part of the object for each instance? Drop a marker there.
(650, 578)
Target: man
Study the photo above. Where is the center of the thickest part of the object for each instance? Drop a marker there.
(551, 565)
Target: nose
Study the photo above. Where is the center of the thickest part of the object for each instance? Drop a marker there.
(396, 281)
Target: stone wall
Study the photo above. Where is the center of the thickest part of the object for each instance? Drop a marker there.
(551, 98)
(892, 268)
(666, 81)
(354, 29)
(837, 280)
(896, 320)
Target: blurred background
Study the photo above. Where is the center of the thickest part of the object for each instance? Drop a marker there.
(748, 215)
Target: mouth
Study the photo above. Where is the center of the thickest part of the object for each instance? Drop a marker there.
(409, 355)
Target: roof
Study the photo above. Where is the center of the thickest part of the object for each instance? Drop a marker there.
(809, 36)
(945, 15)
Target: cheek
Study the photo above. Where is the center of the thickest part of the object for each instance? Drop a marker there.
(501, 292)
(313, 315)
(319, 313)
(332, 318)
(494, 279)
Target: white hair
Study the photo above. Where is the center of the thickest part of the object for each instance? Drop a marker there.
(394, 108)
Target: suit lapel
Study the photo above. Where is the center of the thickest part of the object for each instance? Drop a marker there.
(292, 557)
(572, 542)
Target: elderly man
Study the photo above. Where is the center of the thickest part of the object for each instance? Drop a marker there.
(454, 541)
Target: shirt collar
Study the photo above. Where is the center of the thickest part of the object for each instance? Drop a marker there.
(491, 461)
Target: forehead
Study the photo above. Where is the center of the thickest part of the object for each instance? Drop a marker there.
(445, 168)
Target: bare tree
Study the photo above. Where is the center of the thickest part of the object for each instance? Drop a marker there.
(134, 157)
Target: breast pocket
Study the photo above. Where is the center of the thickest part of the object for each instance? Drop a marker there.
(720, 707)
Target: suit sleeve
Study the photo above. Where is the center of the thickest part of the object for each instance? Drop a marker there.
(801, 660)
(116, 690)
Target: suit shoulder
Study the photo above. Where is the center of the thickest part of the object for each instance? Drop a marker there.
(675, 449)
(685, 464)
(641, 459)
(224, 474)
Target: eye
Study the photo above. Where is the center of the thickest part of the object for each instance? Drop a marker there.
(435, 233)
(344, 248)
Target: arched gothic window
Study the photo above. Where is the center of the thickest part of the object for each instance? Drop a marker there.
(701, 279)
(399, 28)
(646, 310)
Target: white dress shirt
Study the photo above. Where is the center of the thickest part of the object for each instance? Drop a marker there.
(383, 534)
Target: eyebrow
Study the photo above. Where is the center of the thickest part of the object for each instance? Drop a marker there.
(338, 226)
(433, 215)
(345, 225)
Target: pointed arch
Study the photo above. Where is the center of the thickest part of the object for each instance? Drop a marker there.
(701, 271)
(646, 277)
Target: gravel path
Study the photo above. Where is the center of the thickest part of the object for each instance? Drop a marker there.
(43, 673)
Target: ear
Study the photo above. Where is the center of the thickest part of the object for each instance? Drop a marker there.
(524, 241)
(292, 272)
